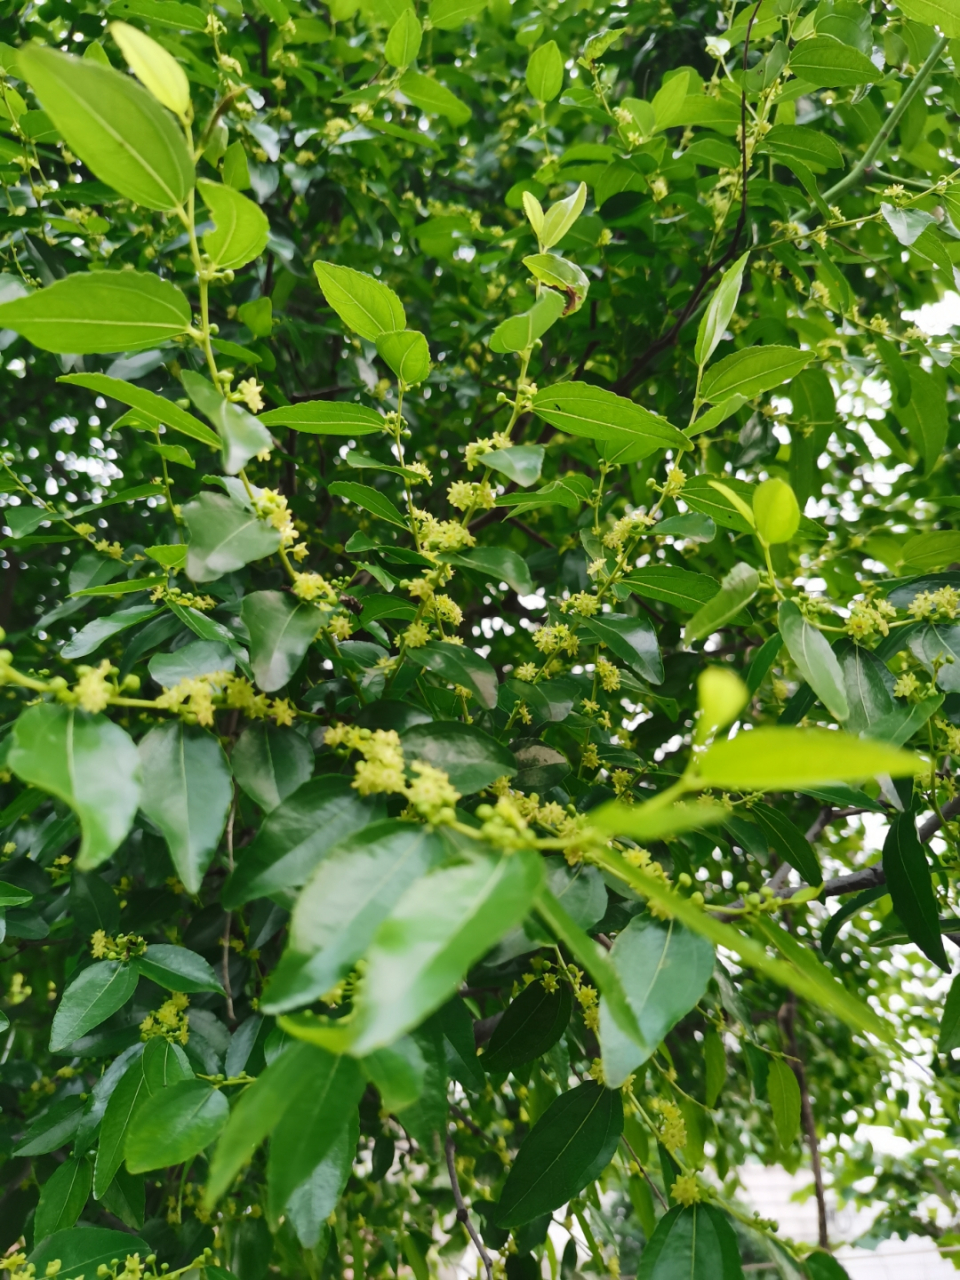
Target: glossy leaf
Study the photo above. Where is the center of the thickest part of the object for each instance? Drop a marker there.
(470, 757)
(788, 842)
(696, 1243)
(520, 332)
(369, 499)
(434, 98)
(81, 1250)
(664, 969)
(95, 993)
(116, 127)
(350, 894)
(737, 589)
(310, 1205)
(582, 409)
(224, 536)
(776, 511)
(531, 1024)
(682, 588)
(784, 1094)
(403, 42)
(825, 63)
(178, 1124)
(325, 417)
(281, 631)
(752, 370)
(270, 763)
(632, 639)
(147, 402)
(406, 353)
(62, 1198)
(363, 304)
(814, 658)
(911, 888)
(545, 72)
(155, 68)
(498, 563)
(719, 311)
(177, 969)
(567, 1149)
(187, 793)
(241, 229)
(459, 665)
(242, 436)
(90, 764)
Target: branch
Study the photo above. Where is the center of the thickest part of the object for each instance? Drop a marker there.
(462, 1213)
(870, 877)
(785, 1017)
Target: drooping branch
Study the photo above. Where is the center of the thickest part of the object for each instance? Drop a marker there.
(463, 1214)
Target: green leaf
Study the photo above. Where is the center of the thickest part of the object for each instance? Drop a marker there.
(713, 417)
(736, 590)
(310, 1126)
(833, 925)
(435, 99)
(148, 402)
(404, 40)
(696, 1243)
(950, 1020)
(457, 664)
(224, 536)
(163, 13)
(448, 15)
(680, 587)
(398, 1073)
(868, 686)
(715, 1066)
(241, 227)
(296, 835)
(924, 416)
(926, 551)
(751, 371)
(461, 1049)
(470, 757)
(560, 274)
(369, 499)
(580, 891)
(520, 332)
(934, 13)
(259, 1109)
(90, 764)
(325, 418)
(62, 1198)
(12, 896)
(813, 148)
(788, 842)
(568, 1148)
(117, 128)
(632, 639)
(310, 1204)
(561, 217)
(440, 926)
(350, 894)
(531, 1025)
(911, 889)
(775, 759)
(242, 436)
(155, 68)
(664, 969)
(521, 464)
(89, 638)
(95, 993)
(497, 564)
(814, 659)
(128, 1093)
(719, 311)
(784, 1094)
(104, 311)
(187, 793)
(581, 409)
(178, 1124)
(199, 658)
(177, 969)
(51, 1130)
(776, 511)
(281, 629)
(545, 72)
(406, 353)
(363, 304)
(270, 763)
(825, 63)
(81, 1250)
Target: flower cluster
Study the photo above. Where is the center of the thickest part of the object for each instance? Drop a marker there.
(556, 639)
(608, 675)
(686, 1190)
(943, 603)
(627, 527)
(123, 947)
(643, 861)
(440, 535)
(195, 699)
(272, 507)
(314, 586)
(467, 495)
(188, 599)
(673, 1131)
(431, 795)
(171, 1021)
(583, 603)
(867, 617)
(476, 449)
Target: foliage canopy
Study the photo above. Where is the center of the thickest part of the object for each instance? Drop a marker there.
(480, 587)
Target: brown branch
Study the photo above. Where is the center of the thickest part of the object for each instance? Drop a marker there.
(653, 1186)
(786, 1018)
(462, 1212)
(225, 960)
(870, 877)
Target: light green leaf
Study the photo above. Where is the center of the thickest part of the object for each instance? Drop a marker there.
(397, 1072)
(457, 664)
(155, 68)
(242, 436)
(350, 894)
(117, 128)
(648, 822)
(439, 927)
(560, 274)
(568, 1148)
(449, 15)
(814, 659)
(682, 588)
(362, 302)
(545, 72)
(520, 332)
(102, 311)
(403, 42)
(719, 311)
(89, 638)
(325, 418)
(187, 793)
(926, 551)
(178, 1124)
(224, 536)
(177, 969)
(664, 969)
(294, 837)
(736, 590)
(406, 353)
(752, 370)
(198, 658)
(776, 511)
(713, 417)
(582, 409)
(148, 402)
(560, 217)
(471, 758)
(90, 764)
(94, 994)
(241, 227)
(825, 63)
(270, 763)
(944, 14)
(369, 499)
(281, 629)
(784, 1094)
(435, 99)
(778, 759)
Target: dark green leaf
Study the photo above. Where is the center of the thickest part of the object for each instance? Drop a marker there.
(81, 1250)
(696, 1243)
(457, 664)
(62, 1198)
(52, 1130)
(94, 994)
(177, 969)
(911, 889)
(788, 842)
(950, 1020)
(270, 763)
(531, 1024)
(784, 1094)
(632, 639)
(281, 631)
(179, 1123)
(369, 499)
(679, 587)
(470, 757)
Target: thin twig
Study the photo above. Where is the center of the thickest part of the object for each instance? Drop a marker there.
(225, 962)
(786, 1019)
(639, 1163)
(468, 1123)
(463, 1214)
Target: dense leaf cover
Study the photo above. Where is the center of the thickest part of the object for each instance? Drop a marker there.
(480, 587)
